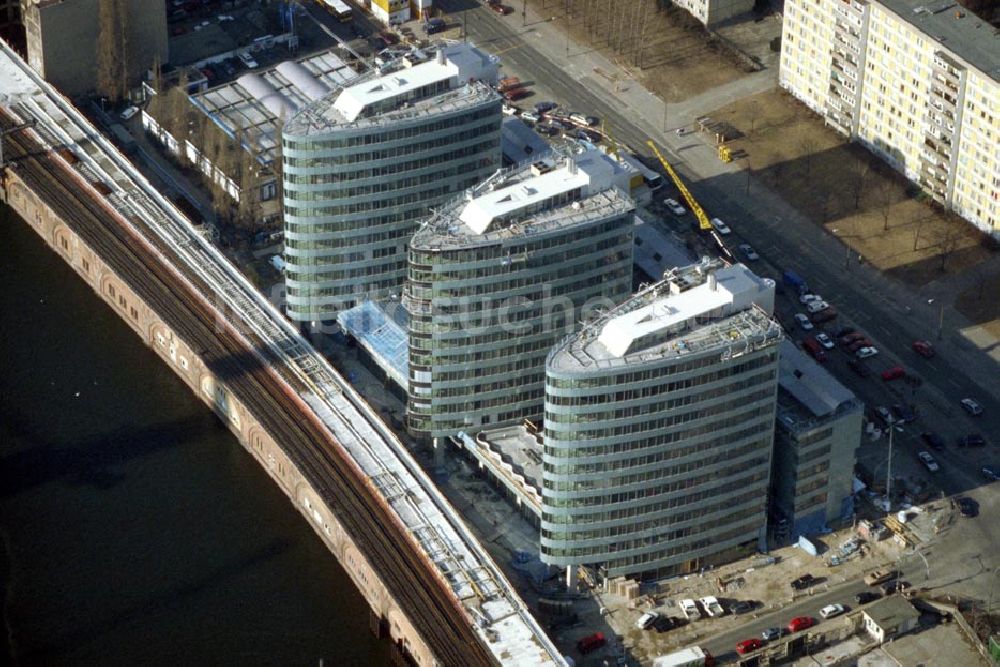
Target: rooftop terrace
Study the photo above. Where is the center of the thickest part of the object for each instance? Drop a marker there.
(695, 309)
(529, 199)
(401, 89)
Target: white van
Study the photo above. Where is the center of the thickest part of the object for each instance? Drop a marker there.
(278, 263)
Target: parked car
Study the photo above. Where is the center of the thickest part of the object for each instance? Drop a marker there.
(646, 620)
(502, 10)
(816, 306)
(865, 597)
(739, 607)
(803, 322)
(690, 609)
(825, 341)
(802, 582)
(825, 315)
(972, 407)
(847, 339)
(968, 507)
(530, 116)
(432, 26)
(923, 348)
(591, 643)
(972, 440)
(589, 135)
(247, 59)
(128, 113)
(932, 440)
(720, 226)
(894, 586)
(928, 460)
(904, 413)
(859, 368)
(545, 106)
(831, 610)
(859, 343)
(800, 623)
(514, 94)
(674, 206)
(866, 352)
(509, 110)
(877, 577)
(582, 119)
(885, 414)
(748, 646)
(771, 634)
(809, 298)
(991, 473)
(845, 331)
(894, 373)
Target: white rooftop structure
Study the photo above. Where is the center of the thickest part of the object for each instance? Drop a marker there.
(255, 104)
(392, 87)
(726, 290)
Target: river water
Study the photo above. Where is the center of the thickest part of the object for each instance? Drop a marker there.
(135, 530)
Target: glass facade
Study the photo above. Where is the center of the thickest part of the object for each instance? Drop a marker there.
(658, 464)
(484, 315)
(353, 195)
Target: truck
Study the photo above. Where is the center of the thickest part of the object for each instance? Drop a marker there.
(712, 606)
(694, 656)
(690, 609)
(879, 576)
(591, 643)
(508, 83)
(795, 281)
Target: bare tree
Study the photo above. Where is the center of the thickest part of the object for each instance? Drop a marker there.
(858, 179)
(112, 47)
(808, 147)
(753, 113)
(886, 197)
(950, 241)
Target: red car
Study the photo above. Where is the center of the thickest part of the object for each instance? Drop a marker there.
(748, 645)
(591, 643)
(800, 623)
(502, 10)
(893, 373)
(923, 348)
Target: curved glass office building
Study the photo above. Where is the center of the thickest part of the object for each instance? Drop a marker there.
(497, 277)
(363, 164)
(659, 424)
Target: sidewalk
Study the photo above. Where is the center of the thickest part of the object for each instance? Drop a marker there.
(723, 187)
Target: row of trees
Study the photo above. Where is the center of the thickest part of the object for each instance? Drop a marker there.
(236, 157)
(622, 25)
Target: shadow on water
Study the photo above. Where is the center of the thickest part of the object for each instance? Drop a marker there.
(97, 461)
(173, 599)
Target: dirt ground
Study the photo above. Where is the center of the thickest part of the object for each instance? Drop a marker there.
(860, 199)
(679, 60)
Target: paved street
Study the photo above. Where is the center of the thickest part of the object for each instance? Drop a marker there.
(892, 314)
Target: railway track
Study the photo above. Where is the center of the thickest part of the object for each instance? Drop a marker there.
(412, 582)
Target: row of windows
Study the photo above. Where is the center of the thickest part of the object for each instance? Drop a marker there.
(378, 187)
(675, 548)
(607, 481)
(397, 152)
(661, 436)
(346, 274)
(344, 241)
(634, 376)
(661, 525)
(386, 136)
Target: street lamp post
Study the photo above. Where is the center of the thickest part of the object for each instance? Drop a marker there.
(888, 473)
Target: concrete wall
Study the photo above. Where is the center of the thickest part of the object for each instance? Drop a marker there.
(62, 40)
(179, 357)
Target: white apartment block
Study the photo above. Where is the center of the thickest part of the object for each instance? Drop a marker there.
(715, 11)
(916, 81)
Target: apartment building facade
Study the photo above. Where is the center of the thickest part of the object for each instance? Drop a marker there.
(498, 276)
(659, 424)
(363, 165)
(916, 82)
